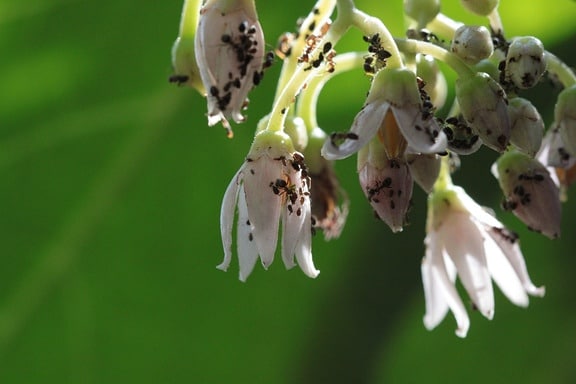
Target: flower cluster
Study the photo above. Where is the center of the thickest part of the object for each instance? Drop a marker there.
(287, 188)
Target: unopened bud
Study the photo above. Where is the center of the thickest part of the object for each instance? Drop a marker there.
(480, 7)
(472, 43)
(565, 118)
(462, 139)
(483, 104)
(526, 126)
(529, 192)
(525, 62)
(422, 11)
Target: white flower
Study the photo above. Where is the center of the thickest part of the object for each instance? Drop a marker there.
(271, 185)
(229, 50)
(464, 239)
(394, 102)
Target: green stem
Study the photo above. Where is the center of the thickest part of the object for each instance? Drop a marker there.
(303, 72)
(308, 100)
(370, 25)
(444, 26)
(189, 18)
(444, 180)
(416, 46)
(560, 69)
(319, 16)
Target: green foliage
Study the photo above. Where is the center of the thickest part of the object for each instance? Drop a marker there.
(110, 190)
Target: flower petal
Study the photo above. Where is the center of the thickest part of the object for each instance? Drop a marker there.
(263, 205)
(511, 249)
(227, 218)
(304, 247)
(424, 136)
(464, 243)
(247, 249)
(439, 290)
(364, 127)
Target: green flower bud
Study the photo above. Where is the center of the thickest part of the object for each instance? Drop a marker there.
(565, 118)
(484, 106)
(525, 62)
(480, 7)
(526, 126)
(423, 11)
(529, 192)
(472, 43)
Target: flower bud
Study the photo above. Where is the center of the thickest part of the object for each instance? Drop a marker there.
(526, 126)
(424, 169)
(480, 7)
(525, 62)
(529, 192)
(435, 83)
(565, 118)
(422, 11)
(387, 184)
(472, 43)
(229, 51)
(553, 152)
(483, 104)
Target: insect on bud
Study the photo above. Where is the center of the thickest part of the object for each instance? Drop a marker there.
(529, 192)
(230, 52)
(472, 43)
(525, 62)
(435, 82)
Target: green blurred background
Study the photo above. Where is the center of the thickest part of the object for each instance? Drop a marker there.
(110, 191)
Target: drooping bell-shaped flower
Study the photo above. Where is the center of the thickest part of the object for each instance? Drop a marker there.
(229, 51)
(394, 100)
(386, 182)
(329, 200)
(464, 240)
(272, 186)
(483, 104)
(529, 192)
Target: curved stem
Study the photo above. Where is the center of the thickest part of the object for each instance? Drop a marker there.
(309, 98)
(444, 26)
(316, 19)
(189, 18)
(496, 22)
(564, 73)
(370, 25)
(416, 46)
(303, 72)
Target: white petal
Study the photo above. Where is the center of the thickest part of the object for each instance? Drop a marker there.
(464, 243)
(247, 250)
(293, 216)
(227, 218)
(440, 291)
(511, 250)
(424, 136)
(304, 247)
(263, 205)
(365, 125)
(504, 275)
